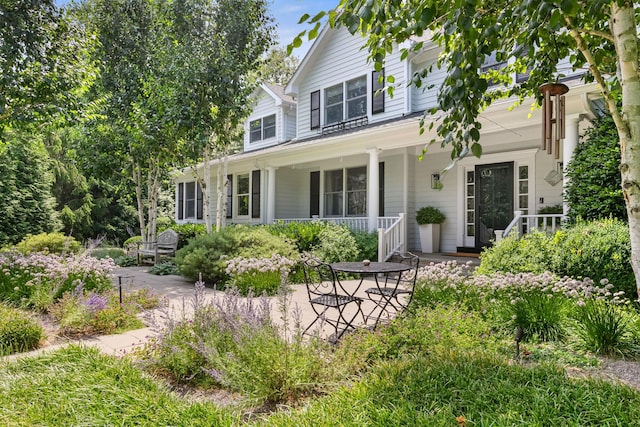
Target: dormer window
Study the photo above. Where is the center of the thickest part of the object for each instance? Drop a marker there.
(262, 128)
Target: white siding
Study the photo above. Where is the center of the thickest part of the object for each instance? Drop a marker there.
(265, 106)
(292, 193)
(289, 123)
(340, 59)
(425, 97)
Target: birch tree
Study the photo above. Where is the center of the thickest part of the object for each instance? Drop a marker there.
(221, 48)
(597, 36)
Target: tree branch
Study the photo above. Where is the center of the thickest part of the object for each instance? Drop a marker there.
(597, 75)
(595, 33)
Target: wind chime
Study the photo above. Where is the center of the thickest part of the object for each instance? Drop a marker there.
(553, 116)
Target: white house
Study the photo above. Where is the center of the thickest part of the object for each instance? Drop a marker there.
(332, 146)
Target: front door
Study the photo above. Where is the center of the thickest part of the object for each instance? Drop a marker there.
(493, 201)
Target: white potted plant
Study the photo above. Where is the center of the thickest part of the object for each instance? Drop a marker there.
(429, 219)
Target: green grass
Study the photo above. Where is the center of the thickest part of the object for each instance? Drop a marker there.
(81, 387)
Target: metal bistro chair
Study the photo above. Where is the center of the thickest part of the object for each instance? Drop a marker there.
(395, 295)
(325, 294)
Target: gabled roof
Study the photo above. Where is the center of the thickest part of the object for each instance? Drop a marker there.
(291, 87)
(277, 93)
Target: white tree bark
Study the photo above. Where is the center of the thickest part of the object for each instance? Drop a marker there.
(136, 175)
(624, 30)
(206, 189)
(221, 191)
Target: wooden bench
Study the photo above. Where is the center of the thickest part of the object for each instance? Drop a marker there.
(166, 246)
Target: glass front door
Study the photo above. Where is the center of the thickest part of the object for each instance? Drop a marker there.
(493, 200)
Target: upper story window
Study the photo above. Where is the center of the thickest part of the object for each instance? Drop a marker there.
(343, 101)
(315, 109)
(357, 97)
(333, 104)
(262, 128)
(377, 91)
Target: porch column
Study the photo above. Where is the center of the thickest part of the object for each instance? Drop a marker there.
(271, 194)
(373, 184)
(569, 145)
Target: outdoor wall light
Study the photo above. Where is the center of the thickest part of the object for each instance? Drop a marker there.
(435, 181)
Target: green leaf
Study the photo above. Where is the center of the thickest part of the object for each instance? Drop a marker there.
(476, 149)
(318, 17)
(313, 33)
(303, 18)
(475, 135)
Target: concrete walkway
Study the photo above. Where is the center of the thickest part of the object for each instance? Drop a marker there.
(177, 293)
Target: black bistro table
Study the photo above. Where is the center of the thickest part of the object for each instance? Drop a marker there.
(387, 277)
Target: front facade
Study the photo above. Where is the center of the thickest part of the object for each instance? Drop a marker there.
(332, 146)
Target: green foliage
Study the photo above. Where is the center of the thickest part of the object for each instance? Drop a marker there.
(18, 331)
(595, 190)
(532, 252)
(126, 261)
(607, 329)
(25, 189)
(164, 269)
(207, 254)
(305, 235)
(429, 215)
(599, 250)
(367, 244)
(336, 244)
(52, 243)
(440, 330)
(187, 232)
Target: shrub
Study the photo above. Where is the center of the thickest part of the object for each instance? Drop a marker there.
(187, 232)
(234, 343)
(367, 244)
(429, 215)
(336, 244)
(207, 255)
(531, 253)
(599, 250)
(18, 331)
(305, 235)
(132, 242)
(258, 275)
(594, 189)
(80, 313)
(164, 269)
(447, 284)
(53, 243)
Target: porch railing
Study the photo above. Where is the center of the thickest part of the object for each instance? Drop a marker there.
(391, 230)
(392, 238)
(523, 224)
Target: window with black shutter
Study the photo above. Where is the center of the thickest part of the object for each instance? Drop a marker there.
(199, 203)
(229, 196)
(314, 193)
(180, 206)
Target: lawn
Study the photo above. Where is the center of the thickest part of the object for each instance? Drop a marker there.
(79, 386)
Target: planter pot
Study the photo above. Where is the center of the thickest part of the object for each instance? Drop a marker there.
(430, 238)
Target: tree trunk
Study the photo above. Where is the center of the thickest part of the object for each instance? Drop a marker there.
(206, 189)
(153, 193)
(137, 180)
(623, 27)
(221, 192)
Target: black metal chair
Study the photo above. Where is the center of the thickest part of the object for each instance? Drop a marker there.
(395, 294)
(326, 293)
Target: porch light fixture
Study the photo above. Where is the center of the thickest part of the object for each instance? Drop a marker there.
(553, 111)
(435, 181)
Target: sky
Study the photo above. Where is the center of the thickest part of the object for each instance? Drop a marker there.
(287, 14)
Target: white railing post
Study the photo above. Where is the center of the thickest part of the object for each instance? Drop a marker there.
(381, 244)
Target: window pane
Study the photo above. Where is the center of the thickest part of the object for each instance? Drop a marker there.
(333, 114)
(357, 87)
(356, 203)
(357, 108)
(333, 95)
(269, 127)
(333, 204)
(315, 109)
(243, 205)
(243, 184)
(255, 131)
(524, 172)
(377, 105)
(471, 230)
(471, 190)
(523, 187)
(333, 181)
(357, 178)
(524, 202)
(470, 177)
(190, 200)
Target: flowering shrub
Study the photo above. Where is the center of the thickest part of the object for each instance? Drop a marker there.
(233, 342)
(539, 304)
(258, 275)
(80, 313)
(25, 276)
(336, 244)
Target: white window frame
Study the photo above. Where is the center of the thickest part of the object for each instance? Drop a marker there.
(261, 128)
(239, 196)
(345, 193)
